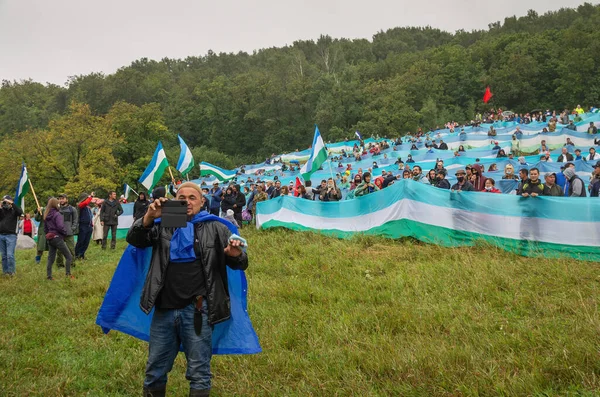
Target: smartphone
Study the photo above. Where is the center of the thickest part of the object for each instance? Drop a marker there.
(174, 213)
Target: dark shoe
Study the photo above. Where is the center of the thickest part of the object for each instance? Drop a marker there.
(50, 278)
(161, 392)
(199, 393)
(70, 276)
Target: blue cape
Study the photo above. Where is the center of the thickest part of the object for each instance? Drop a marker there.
(121, 310)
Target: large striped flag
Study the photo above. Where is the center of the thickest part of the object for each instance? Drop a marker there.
(22, 187)
(155, 169)
(221, 174)
(186, 160)
(318, 155)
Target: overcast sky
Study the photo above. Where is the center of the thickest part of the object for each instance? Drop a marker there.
(49, 40)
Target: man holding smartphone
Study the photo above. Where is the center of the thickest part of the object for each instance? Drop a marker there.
(9, 218)
(187, 286)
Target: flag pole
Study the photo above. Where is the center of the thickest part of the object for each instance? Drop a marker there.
(172, 179)
(136, 193)
(34, 195)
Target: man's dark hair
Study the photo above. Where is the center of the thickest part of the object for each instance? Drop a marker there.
(534, 169)
(365, 175)
(524, 171)
(111, 192)
(419, 167)
(308, 183)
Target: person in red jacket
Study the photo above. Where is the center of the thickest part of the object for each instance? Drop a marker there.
(28, 225)
(86, 225)
(490, 186)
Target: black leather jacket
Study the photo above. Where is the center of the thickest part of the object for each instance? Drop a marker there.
(211, 239)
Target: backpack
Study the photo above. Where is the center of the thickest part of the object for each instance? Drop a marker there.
(246, 215)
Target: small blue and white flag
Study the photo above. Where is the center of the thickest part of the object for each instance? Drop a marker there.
(22, 187)
(156, 168)
(186, 160)
(358, 135)
(126, 191)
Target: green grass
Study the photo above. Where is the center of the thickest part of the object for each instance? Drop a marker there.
(360, 317)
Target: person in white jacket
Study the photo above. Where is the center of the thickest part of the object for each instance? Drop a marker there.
(592, 156)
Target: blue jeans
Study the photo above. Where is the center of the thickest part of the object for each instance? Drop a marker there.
(83, 241)
(8, 244)
(169, 330)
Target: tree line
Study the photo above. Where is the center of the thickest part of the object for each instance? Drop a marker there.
(100, 130)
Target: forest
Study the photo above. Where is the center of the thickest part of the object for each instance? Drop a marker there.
(99, 131)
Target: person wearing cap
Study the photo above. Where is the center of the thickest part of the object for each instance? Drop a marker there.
(496, 146)
(187, 288)
(550, 186)
(9, 219)
(109, 218)
(216, 194)
(595, 182)
(229, 215)
(71, 222)
(440, 179)
(462, 183)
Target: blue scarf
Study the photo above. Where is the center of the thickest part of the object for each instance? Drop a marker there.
(182, 242)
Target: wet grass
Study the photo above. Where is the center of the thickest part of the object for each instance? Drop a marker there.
(365, 317)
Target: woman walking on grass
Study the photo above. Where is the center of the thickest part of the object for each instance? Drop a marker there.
(55, 230)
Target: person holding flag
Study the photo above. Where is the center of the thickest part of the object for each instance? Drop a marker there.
(10, 213)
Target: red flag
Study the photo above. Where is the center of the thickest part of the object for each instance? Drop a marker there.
(296, 187)
(488, 95)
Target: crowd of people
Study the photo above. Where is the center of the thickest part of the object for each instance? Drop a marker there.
(93, 219)
(55, 228)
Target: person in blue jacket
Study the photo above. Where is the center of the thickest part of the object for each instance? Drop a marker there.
(216, 194)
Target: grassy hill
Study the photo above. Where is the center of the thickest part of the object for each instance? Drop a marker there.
(361, 317)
